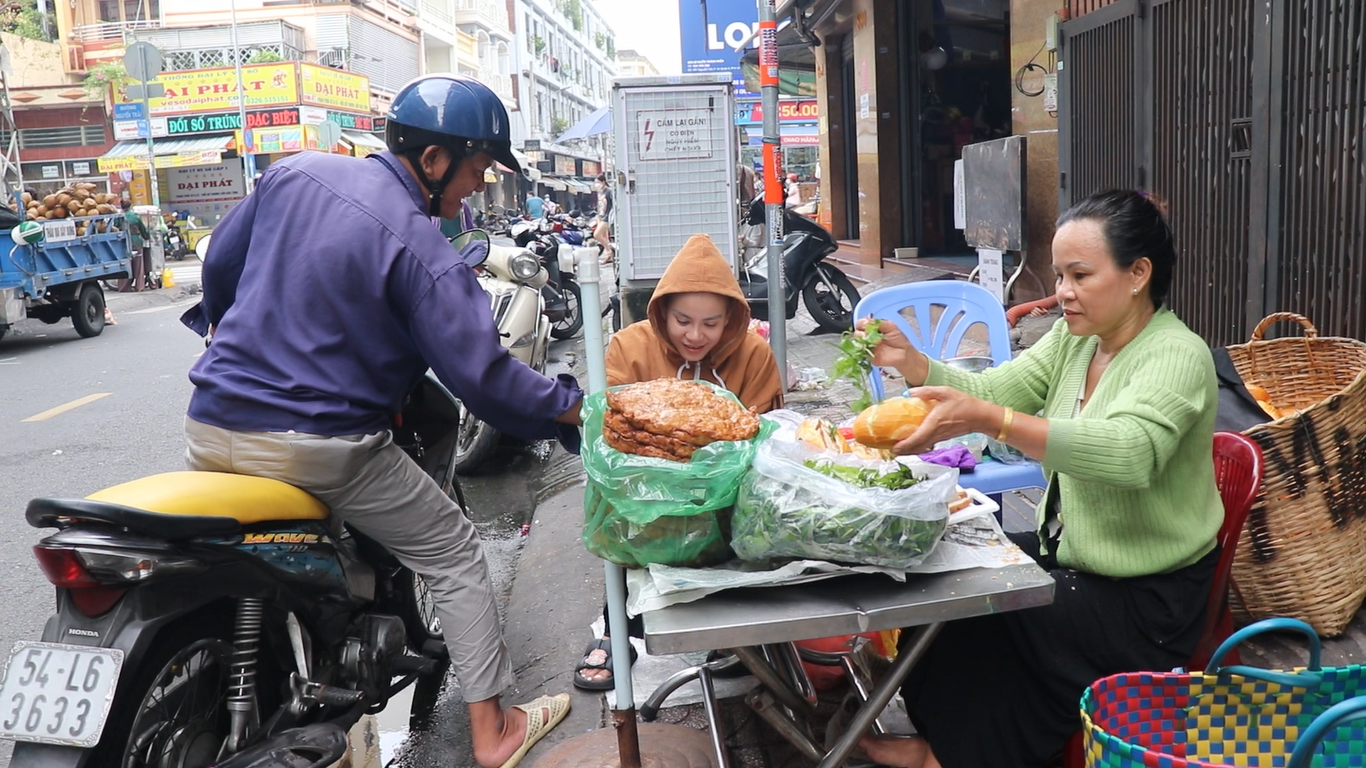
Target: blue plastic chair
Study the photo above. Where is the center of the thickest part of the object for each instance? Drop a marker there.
(964, 305)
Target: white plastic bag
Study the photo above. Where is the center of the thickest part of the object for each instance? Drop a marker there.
(787, 510)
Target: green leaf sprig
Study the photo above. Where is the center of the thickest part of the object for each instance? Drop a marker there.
(855, 362)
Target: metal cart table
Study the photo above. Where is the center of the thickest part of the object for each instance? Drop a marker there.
(760, 624)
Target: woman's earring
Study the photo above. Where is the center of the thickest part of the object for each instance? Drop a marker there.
(1135, 291)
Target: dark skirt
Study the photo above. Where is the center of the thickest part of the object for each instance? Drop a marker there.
(1004, 689)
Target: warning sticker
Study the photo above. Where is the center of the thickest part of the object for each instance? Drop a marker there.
(675, 134)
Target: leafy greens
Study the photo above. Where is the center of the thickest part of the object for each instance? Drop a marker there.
(855, 362)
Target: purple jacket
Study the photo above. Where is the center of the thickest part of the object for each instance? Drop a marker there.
(332, 293)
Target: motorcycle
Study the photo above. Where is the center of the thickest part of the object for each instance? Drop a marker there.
(203, 618)
(514, 279)
(829, 294)
(563, 297)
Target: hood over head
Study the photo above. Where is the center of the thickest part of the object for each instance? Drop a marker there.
(699, 267)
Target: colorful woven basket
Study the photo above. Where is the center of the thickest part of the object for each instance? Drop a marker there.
(1230, 716)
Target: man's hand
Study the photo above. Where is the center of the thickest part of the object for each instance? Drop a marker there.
(572, 416)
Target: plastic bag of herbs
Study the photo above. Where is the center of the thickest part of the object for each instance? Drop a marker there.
(639, 510)
(797, 503)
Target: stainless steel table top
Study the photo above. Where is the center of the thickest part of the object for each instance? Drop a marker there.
(842, 606)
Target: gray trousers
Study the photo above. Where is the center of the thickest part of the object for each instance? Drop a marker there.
(371, 484)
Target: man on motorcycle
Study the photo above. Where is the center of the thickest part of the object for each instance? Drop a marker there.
(329, 291)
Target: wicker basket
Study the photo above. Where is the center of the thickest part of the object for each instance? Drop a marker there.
(1303, 551)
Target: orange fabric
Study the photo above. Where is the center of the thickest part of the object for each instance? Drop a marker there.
(743, 362)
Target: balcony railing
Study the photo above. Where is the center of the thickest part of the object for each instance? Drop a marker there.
(499, 82)
(486, 13)
(110, 31)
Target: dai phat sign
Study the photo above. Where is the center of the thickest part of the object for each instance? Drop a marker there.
(326, 87)
(675, 134)
(206, 184)
(215, 90)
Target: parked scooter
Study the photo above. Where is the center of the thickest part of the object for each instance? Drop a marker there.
(563, 297)
(202, 614)
(513, 278)
(829, 294)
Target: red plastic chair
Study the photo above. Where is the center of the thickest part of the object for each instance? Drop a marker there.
(1238, 475)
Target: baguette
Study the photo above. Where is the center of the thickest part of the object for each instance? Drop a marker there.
(889, 422)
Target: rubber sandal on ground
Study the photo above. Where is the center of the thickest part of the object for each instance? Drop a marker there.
(536, 724)
(605, 684)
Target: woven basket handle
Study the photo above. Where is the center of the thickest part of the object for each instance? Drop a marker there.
(1324, 725)
(1311, 676)
(1259, 332)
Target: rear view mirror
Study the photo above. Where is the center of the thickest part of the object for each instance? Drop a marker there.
(201, 248)
(473, 245)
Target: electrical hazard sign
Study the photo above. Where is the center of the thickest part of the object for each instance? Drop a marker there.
(675, 134)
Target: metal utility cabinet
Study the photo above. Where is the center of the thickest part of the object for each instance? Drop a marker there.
(675, 156)
(60, 276)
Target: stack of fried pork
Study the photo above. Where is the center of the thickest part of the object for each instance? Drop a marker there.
(671, 419)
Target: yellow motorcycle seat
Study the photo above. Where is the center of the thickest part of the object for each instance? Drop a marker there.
(243, 498)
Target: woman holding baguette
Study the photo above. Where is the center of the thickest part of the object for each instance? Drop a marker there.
(1126, 396)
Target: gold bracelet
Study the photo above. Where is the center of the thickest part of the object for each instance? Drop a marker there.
(1006, 421)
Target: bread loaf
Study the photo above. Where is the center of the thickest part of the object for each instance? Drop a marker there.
(890, 421)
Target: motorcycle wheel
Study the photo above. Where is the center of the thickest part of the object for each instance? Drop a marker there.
(833, 311)
(572, 323)
(176, 709)
(417, 609)
(473, 444)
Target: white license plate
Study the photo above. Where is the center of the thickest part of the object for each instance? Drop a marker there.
(58, 694)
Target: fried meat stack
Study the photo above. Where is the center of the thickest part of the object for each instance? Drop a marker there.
(671, 419)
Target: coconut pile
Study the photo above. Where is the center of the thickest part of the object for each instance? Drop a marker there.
(77, 201)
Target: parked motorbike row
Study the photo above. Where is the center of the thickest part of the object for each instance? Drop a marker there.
(219, 620)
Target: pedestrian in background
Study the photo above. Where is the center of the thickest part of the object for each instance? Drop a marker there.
(137, 243)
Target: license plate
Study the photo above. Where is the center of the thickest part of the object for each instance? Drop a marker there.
(58, 694)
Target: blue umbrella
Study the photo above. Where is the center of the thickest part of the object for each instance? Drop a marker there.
(599, 121)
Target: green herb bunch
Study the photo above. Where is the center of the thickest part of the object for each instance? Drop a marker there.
(898, 479)
(855, 362)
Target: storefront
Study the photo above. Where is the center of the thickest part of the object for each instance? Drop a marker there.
(205, 157)
(799, 131)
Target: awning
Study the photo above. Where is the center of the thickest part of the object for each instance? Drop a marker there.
(170, 153)
(556, 184)
(578, 186)
(362, 139)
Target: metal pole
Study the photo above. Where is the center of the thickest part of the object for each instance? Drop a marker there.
(773, 184)
(247, 182)
(151, 143)
(624, 717)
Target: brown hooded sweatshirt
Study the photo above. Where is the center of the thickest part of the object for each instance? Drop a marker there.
(741, 362)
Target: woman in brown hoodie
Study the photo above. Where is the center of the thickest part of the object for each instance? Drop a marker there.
(698, 328)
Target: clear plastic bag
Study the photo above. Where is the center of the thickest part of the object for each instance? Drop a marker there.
(640, 510)
(785, 509)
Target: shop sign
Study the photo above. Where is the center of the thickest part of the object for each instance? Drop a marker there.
(179, 160)
(80, 169)
(128, 130)
(279, 140)
(352, 122)
(801, 111)
(709, 32)
(564, 166)
(379, 123)
(591, 168)
(231, 121)
(674, 134)
(52, 171)
(312, 115)
(205, 184)
(215, 90)
(327, 87)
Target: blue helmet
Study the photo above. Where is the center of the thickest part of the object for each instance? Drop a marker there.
(456, 112)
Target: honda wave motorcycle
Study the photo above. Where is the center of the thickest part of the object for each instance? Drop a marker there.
(563, 297)
(201, 615)
(829, 294)
(514, 279)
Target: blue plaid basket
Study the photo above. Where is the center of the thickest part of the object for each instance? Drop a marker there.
(1230, 716)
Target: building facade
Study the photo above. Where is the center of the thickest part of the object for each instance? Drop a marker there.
(634, 64)
(566, 55)
(470, 37)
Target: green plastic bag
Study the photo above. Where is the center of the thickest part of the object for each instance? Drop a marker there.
(639, 510)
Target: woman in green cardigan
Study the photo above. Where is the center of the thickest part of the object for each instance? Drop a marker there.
(1126, 395)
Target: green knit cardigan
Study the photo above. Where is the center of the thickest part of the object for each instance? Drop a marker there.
(1134, 469)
